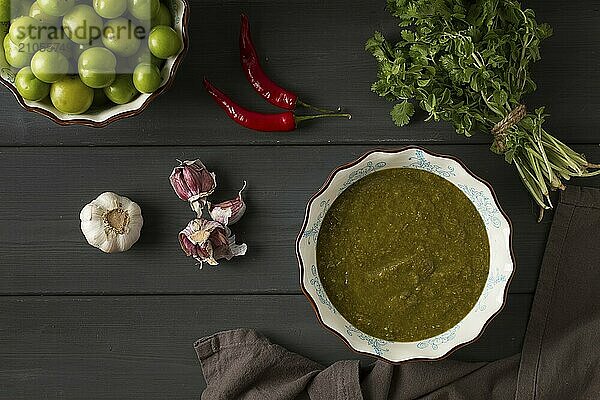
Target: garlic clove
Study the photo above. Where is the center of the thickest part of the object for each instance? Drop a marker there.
(134, 210)
(192, 181)
(124, 242)
(107, 201)
(124, 203)
(229, 212)
(109, 245)
(222, 215)
(231, 249)
(94, 232)
(209, 241)
(88, 212)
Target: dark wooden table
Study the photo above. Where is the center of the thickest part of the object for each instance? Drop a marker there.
(75, 323)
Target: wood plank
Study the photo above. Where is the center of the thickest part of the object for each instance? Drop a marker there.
(141, 347)
(320, 55)
(43, 251)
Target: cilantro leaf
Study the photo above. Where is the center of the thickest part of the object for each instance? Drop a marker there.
(402, 112)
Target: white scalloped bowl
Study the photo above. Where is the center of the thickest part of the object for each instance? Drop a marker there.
(499, 233)
(180, 9)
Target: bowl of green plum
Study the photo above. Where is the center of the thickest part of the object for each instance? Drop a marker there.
(91, 62)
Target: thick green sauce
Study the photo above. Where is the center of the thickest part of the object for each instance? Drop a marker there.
(403, 254)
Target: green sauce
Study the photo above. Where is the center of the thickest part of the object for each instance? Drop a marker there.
(403, 254)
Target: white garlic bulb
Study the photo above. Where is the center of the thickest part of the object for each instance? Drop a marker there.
(111, 223)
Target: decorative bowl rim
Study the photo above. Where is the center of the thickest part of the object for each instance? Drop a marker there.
(125, 114)
(303, 269)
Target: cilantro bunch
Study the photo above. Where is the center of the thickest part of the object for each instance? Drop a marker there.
(468, 62)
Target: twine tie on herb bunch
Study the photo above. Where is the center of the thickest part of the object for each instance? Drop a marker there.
(512, 119)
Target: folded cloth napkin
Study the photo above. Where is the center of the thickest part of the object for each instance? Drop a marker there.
(560, 359)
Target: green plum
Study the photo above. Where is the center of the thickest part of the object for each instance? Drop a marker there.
(16, 58)
(71, 96)
(110, 9)
(4, 64)
(164, 42)
(122, 90)
(57, 8)
(100, 98)
(121, 37)
(49, 66)
(163, 17)
(82, 25)
(29, 32)
(97, 67)
(30, 87)
(146, 78)
(36, 12)
(144, 10)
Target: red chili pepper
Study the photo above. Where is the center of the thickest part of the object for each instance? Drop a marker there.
(259, 80)
(263, 85)
(282, 122)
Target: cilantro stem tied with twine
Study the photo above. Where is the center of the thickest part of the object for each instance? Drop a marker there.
(468, 63)
(499, 130)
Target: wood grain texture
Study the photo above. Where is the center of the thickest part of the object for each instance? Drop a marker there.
(141, 347)
(75, 323)
(316, 48)
(43, 250)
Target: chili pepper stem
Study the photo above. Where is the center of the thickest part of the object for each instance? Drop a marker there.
(302, 118)
(318, 109)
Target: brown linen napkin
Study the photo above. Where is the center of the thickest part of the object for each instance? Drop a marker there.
(241, 364)
(561, 352)
(560, 357)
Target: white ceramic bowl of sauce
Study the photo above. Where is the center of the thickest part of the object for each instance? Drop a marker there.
(498, 229)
